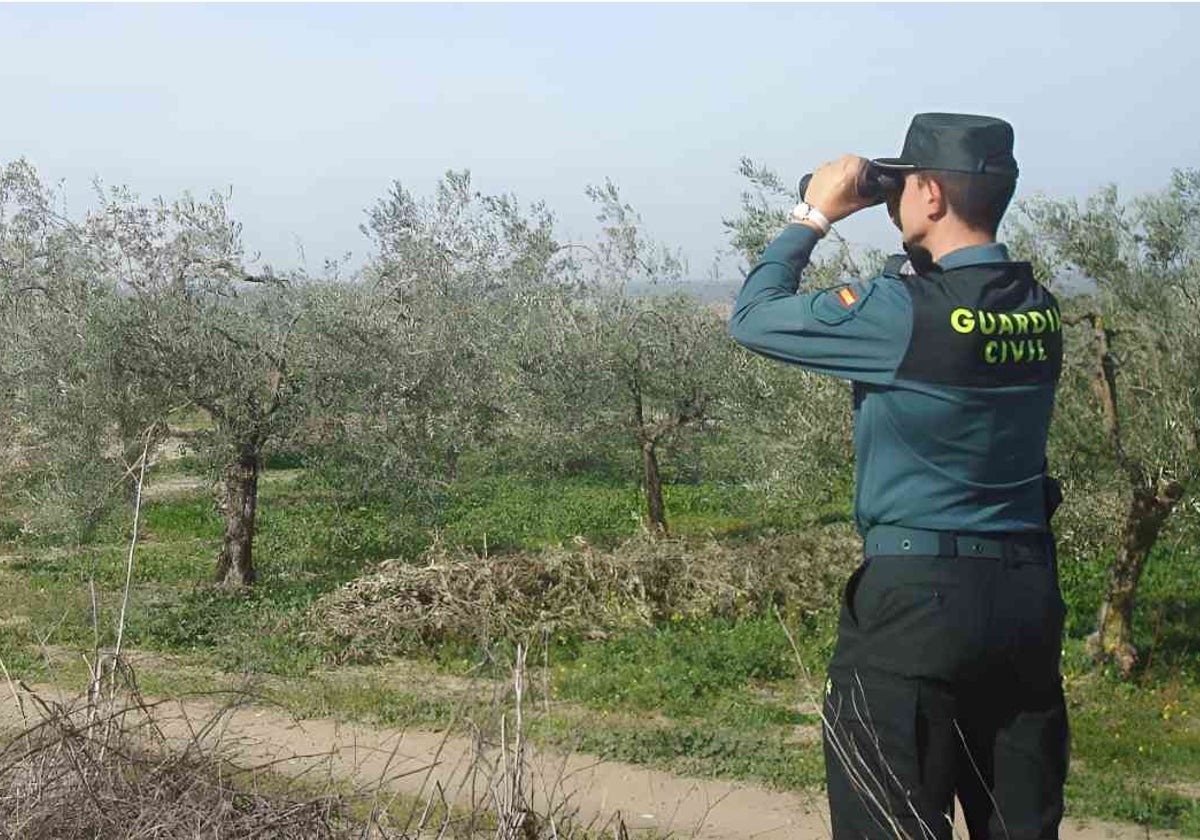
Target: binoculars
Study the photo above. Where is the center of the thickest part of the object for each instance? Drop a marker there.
(873, 183)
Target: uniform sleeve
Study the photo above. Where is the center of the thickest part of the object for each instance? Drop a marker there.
(858, 331)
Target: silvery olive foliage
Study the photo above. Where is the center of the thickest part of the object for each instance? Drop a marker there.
(1137, 264)
(416, 366)
(198, 327)
(119, 322)
(201, 330)
(649, 370)
(1126, 434)
(70, 426)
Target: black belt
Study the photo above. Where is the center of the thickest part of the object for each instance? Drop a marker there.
(894, 540)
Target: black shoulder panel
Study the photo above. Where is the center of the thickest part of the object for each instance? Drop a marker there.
(895, 265)
(980, 326)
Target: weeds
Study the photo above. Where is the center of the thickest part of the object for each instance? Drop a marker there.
(85, 772)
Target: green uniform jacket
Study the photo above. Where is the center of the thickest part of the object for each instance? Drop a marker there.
(953, 374)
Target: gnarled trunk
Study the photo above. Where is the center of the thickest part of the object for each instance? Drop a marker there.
(239, 500)
(1149, 507)
(656, 512)
(647, 438)
(1148, 511)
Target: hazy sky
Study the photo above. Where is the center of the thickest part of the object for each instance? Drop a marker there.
(309, 111)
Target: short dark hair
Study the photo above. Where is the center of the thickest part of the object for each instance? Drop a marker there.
(979, 200)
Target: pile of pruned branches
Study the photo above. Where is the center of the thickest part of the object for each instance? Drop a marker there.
(456, 594)
(107, 770)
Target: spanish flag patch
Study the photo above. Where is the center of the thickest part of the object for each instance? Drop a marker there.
(847, 296)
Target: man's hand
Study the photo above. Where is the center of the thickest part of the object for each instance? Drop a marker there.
(833, 189)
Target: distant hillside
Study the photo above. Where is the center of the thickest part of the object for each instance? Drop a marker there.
(1069, 284)
(708, 291)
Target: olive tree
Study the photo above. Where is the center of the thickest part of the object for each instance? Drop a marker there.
(664, 368)
(70, 425)
(610, 356)
(414, 370)
(197, 329)
(1129, 406)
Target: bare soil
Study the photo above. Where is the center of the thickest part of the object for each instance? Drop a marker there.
(173, 486)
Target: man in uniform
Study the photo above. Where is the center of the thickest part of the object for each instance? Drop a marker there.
(945, 680)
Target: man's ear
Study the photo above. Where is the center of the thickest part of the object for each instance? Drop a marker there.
(935, 199)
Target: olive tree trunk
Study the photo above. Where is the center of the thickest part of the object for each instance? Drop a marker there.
(656, 510)
(1148, 511)
(647, 438)
(239, 502)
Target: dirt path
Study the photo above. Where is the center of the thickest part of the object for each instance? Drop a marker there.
(412, 762)
(174, 486)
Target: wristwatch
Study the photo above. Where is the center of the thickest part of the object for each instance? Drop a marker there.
(807, 213)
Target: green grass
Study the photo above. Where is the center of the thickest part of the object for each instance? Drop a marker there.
(1132, 744)
(505, 512)
(191, 517)
(681, 670)
(515, 512)
(692, 748)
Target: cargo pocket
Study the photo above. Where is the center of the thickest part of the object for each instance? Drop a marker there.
(871, 755)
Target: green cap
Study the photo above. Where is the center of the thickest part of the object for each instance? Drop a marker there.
(956, 143)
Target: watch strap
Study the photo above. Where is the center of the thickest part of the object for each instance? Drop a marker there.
(806, 212)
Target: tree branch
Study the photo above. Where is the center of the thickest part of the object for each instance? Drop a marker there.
(1104, 385)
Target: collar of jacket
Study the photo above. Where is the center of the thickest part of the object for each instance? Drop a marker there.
(992, 252)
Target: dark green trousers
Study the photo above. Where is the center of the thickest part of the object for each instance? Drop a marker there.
(946, 681)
